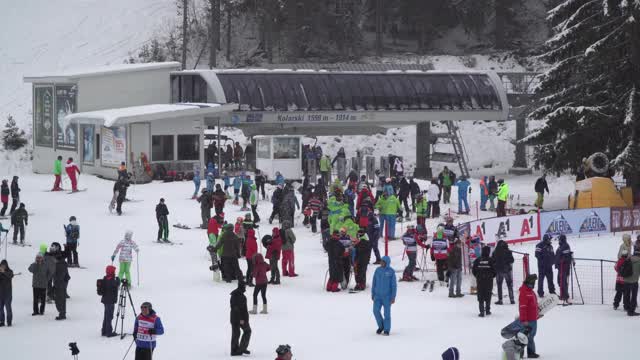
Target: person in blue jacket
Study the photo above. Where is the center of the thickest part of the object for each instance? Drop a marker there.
(237, 184)
(145, 329)
(196, 181)
(227, 182)
(564, 259)
(279, 178)
(464, 187)
(546, 259)
(383, 294)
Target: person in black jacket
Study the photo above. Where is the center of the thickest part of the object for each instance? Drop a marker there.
(6, 276)
(403, 195)
(163, 222)
(335, 251)
(415, 191)
(363, 256)
(206, 202)
(239, 321)
(60, 281)
(121, 187)
(15, 194)
(503, 262)
(484, 271)
(4, 195)
(540, 187)
(340, 154)
(276, 200)
(546, 259)
(19, 219)
(110, 285)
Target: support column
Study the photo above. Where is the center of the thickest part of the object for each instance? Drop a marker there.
(519, 105)
(423, 151)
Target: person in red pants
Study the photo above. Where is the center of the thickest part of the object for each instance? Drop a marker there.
(288, 242)
(71, 168)
(57, 172)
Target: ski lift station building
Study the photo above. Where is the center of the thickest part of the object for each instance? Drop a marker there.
(110, 114)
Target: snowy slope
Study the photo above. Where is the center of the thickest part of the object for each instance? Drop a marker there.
(41, 36)
(318, 325)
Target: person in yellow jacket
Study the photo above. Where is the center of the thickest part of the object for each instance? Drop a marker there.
(325, 169)
(503, 195)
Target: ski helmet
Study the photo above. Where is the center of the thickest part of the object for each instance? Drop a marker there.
(73, 218)
(283, 349)
(147, 305)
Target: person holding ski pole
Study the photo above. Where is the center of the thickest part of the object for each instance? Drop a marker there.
(126, 248)
(145, 329)
(163, 222)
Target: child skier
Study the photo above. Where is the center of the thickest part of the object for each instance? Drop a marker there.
(125, 247)
(251, 248)
(345, 261)
(373, 232)
(259, 273)
(210, 181)
(163, 222)
(475, 246)
(227, 182)
(421, 209)
(72, 232)
(246, 191)
(71, 168)
(411, 242)
(273, 254)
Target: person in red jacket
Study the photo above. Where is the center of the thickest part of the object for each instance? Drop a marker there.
(440, 252)
(260, 268)
(71, 168)
(251, 248)
(619, 280)
(273, 254)
(528, 303)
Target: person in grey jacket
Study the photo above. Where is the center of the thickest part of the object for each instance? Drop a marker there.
(60, 281)
(42, 273)
(288, 243)
(631, 284)
(231, 250)
(454, 262)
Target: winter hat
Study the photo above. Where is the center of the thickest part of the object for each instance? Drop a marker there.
(247, 216)
(283, 349)
(43, 248)
(451, 353)
(73, 218)
(626, 238)
(39, 255)
(161, 200)
(148, 305)
(110, 270)
(486, 251)
(562, 238)
(531, 279)
(546, 238)
(128, 235)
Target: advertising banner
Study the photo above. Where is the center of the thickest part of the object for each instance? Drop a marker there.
(517, 228)
(88, 139)
(43, 115)
(114, 146)
(575, 222)
(66, 103)
(625, 219)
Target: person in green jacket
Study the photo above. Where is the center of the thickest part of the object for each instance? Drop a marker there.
(421, 209)
(253, 201)
(446, 178)
(57, 172)
(337, 209)
(503, 195)
(336, 185)
(325, 169)
(389, 207)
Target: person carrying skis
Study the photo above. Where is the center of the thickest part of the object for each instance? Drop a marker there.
(259, 273)
(273, 254)
(4, 196)
(563, 262)
(57, 173)
(484, 272)
(503, 262)
(454, 265)
(411, 242)
(335, 252)
(145, 329)
(109, 296)
(218, 197)
(540, 187)
(503, 195)
(42, 275)
(196, 181)
(446, 179)
(19, 219)
(253, 201)
(363, 256)
(72, 234)
(464, 188)
(239, 321)
(440, 252)
(71, 168)
(484, 193)
(15, 194)
(60, 282)
(383, 294)
(403, 196)
(163, 222)
(433, 198)
(546, 260)
(126, 248)
(389, 207)
(206, 203)
(6, 292)
(288, 254)
(120, 188)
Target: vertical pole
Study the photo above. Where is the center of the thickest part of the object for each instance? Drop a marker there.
(601, 284)
(218, 144)
(477, 211)
(386, 238)
(571, 274)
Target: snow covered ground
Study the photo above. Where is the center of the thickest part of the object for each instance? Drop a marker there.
(319, 325)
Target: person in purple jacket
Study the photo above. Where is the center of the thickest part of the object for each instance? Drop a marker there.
(147, 326)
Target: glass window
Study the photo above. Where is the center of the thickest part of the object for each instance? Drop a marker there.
(175, 89)
(199, 90)
(263, 148)
(188, 147)
(186, 88)
(286, 148)
(162, 148)
(98, 145)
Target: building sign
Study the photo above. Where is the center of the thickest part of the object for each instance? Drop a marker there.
(575, 222)
(625, 219)
(114, 146)
(88, 139)
(66, 103)
(43, 115)
(294, 117)
(517, 228)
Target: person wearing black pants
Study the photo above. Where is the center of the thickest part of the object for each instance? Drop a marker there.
(60, 281)
(15, 194)
(239, 321)
(546, 259)
(260, 180)
(260, 268)
(109, 288)
(6, 277)
(19, 219)
(163, 223)
(42, 272)
(4, 196)
(484, 271)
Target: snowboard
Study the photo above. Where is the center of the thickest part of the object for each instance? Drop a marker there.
(547, 303)
(79, 190)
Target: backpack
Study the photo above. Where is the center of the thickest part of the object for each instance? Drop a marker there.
(99, 287)
(626, 269)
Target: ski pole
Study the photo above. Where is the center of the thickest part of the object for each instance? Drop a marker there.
(138, 267)
(129, 348)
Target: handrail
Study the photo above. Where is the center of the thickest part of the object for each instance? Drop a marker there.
(587, 259)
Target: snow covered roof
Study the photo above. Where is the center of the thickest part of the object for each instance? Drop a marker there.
(146, 113)
(70, 74)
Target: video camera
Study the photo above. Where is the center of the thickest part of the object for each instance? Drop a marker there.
(73, 347)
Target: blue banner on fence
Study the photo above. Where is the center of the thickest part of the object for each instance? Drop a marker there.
(575, 222)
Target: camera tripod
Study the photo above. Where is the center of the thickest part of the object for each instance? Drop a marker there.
(122, 307)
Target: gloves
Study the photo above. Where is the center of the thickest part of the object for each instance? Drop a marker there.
(152, 331)
(113, 257)
(135, 336)
(469, 189)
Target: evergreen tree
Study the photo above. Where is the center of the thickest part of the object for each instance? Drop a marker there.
(13, 137)
(587, 91)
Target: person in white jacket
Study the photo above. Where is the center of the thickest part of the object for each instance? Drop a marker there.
(125, 247)
(433, 197)
(398, 167)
